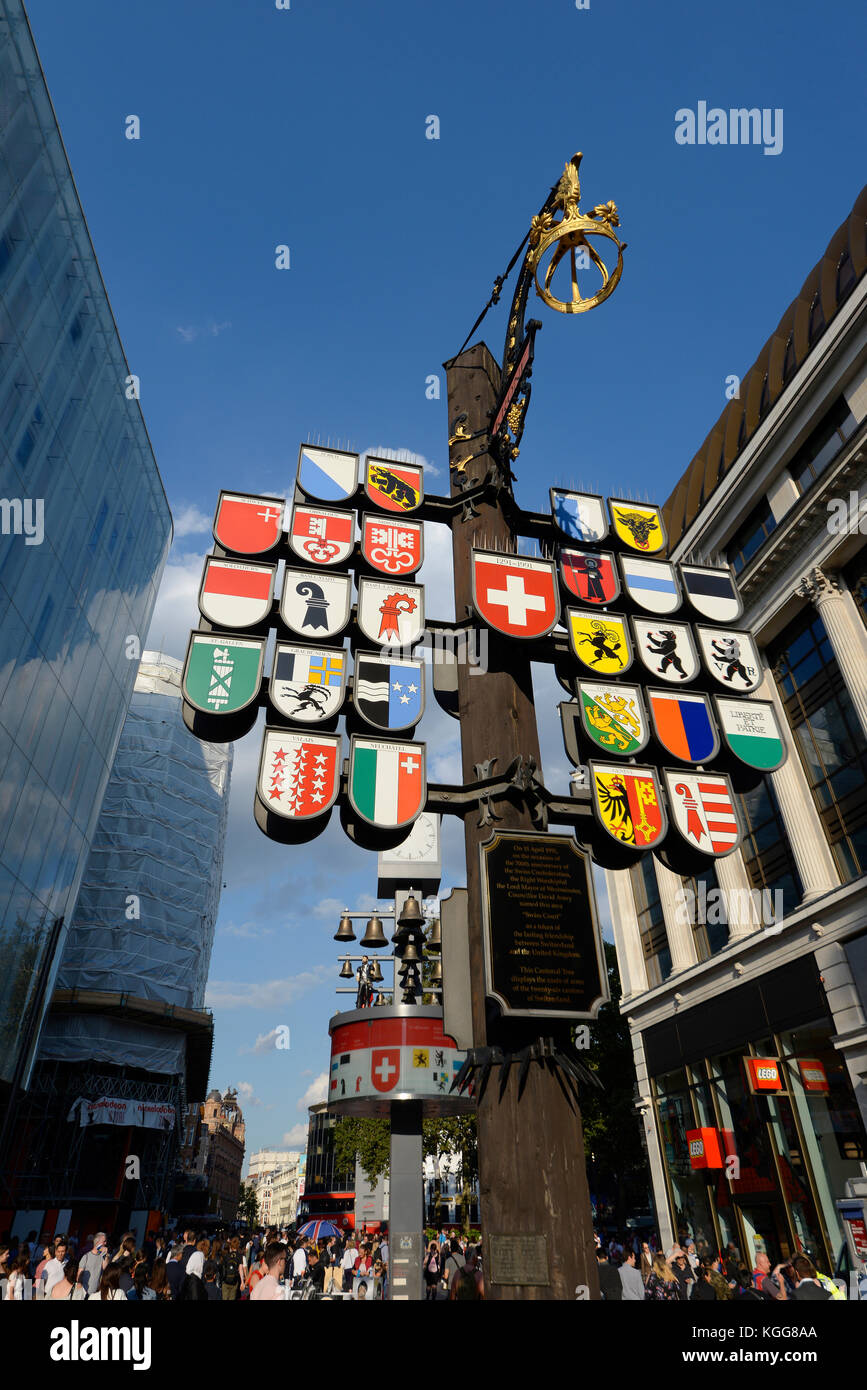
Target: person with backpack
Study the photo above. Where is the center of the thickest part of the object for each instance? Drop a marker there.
(432, 1271)
(453, 1263)
(233, 1271)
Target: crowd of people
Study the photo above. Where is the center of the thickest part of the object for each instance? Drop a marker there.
(190, 1266)
(632, 1269)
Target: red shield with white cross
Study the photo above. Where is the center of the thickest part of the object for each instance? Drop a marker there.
(385, 1067)
(321, 536)
(515, 595)
(392, 546)
(248, 525)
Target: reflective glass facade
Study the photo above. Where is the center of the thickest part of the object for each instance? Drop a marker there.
(75, 588)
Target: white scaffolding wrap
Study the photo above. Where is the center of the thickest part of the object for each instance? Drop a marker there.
(144, 921)
(95, 1038)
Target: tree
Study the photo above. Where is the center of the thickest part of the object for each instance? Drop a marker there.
(612, 1133)
(248, 1205)
(369, 1141)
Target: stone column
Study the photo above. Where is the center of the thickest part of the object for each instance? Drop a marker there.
(846, 632)
(844, 1003)
(627, 936)
(681, 942)
(655, 1157)
(804, 830)
(743, 908)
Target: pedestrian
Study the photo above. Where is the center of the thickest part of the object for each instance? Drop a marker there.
(18, 1277)
(109, 1290)
(47, 1255)
(432, 1272)
(704, 1291)
(663, 1286)
(631, 1280)
(299, 1262)
(234, 1271)
(646, 1264)
(140, 1292)
(268, 1286)
(771, 1284)
(209, 1275)
(175, 1270)
(610, 1286)
(453, 1263)
(807, 1285)
(680, 1267)
(188, 1248)
(350, 1255)
(196, 1261)
(159, 1282)
(91, 1265)
(193, 1290)
(258, 1272)
(52, 1272)
(316, 1271)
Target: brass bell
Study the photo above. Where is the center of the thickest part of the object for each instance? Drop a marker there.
(436, 973)
(408, 997)
(411, 914)
(435, 940)
(344, 931)
(374, 934)
(346, 972)
(411, 978)
(402, 969)
(375, 973)
(410, 954)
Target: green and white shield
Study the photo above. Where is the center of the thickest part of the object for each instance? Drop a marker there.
(613, 717)
(222, 675)
(751, 731)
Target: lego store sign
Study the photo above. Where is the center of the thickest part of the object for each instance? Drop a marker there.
(763, 1074)
(813, 1076)
(704, 1148)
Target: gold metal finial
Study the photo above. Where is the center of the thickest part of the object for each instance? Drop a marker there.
(570, 233)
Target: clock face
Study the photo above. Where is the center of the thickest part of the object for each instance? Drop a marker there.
(422, 844)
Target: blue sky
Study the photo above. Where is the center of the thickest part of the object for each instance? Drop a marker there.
(306, 127)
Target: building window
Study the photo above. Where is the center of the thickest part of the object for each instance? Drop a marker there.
(823, 444)
(750, 536)
(768, 858)
(828, 735)
(845, 275)
(789, 363)
(707, 913)
(651, 922)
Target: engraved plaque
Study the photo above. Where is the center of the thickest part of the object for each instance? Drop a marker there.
(519, 1260)
(543, 946)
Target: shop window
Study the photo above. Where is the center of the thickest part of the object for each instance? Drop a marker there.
(828, 734)
(823, 444)
(751, 536)
(768, 857)
(651, 922)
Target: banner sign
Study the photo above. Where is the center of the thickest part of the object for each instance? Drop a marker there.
(112, 1110)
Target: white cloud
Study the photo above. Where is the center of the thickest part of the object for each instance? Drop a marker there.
(295, 1138)
(247, 1093)
(265, 1042)
(190, 521)
(265, 994)
(188, 334)
(316, 1092)
(215, 329)
(249, 931)
(177, 607)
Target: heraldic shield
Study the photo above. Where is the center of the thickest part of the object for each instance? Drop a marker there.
(601, 643)
(579, 515)
(751, 731)
(387, 692)
(308, 684)
(612, 717)
(590, 577)
(652, 584)
(320, 536)
(514, 595)
(299, 774)
(394, 486)
(392, 613)
(234, 594)
(666, 649)
(392, 547)
(387, 781)
(248, 525)
(329, 475)
(703, 809)
(315, 604)
(638, 525)
(222, 675)
(731, 658)
(628, 803)
(684, 725)
(712, 592)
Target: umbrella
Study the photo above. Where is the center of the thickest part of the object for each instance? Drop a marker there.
(318, 1230)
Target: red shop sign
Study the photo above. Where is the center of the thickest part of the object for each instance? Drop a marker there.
(704, 1148)
(763, 1074)
(813, 1075)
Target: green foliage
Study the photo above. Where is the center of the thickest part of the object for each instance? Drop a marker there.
(369, 1141)
(248, 1207)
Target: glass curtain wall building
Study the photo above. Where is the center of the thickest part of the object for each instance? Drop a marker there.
(85, 533)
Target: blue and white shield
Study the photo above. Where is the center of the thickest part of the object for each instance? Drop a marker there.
(388, 694)
(579, 515)
(329, 475)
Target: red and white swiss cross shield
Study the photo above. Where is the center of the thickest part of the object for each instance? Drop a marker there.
(320, 536)
(385, 1067)
(514, 594)
(248, 525)
(392, 546)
